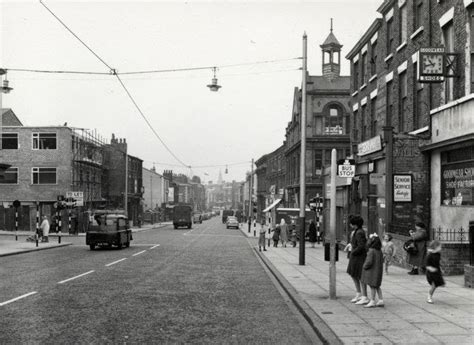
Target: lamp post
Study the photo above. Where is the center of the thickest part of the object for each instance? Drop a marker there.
(303, 157)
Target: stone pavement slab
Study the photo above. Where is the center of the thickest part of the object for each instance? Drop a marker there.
(406, 318)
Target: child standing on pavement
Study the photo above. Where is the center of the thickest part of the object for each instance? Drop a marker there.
(388, 251)
(373, 271)
(433, 268)
(261, 238)
(276, 236)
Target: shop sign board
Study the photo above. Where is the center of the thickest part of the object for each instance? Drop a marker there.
(369, 146)
(377, 179)
(402, 188)
(76, 198)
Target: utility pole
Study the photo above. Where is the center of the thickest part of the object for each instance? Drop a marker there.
(125, 194)
(250, 196)
(303, 156)
(332, 227)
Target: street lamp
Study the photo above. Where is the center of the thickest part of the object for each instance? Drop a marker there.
(3, 89)
(213, 86)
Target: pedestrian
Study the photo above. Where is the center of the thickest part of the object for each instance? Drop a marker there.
(293, 233)
(433, 268)
(388, 251)
(45, 229)
(276, 235)
(261, 238)
(357, 259)
(283, 232)
(419, 237)
(312, 233)
(373, 271)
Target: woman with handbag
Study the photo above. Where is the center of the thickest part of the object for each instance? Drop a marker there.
(416, 257)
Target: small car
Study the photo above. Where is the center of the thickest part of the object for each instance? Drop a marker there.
(109, 230)
(197, 218)
(232, 222)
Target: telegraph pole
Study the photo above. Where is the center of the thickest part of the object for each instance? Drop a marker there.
(332, 227)
(303, 157)
(250, 197)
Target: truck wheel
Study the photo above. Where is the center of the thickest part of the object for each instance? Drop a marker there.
(127, 244)
(119, 245)
(175, 227)
(92, 246)
(189, 226)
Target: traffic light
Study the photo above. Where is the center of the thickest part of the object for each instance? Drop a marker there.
(316, 203)
(254, 207)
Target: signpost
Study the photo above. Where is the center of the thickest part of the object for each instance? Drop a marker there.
(346, 168)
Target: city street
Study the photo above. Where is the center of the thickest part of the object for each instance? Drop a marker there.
(204, 285)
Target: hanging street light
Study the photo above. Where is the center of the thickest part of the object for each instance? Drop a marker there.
(213, 86)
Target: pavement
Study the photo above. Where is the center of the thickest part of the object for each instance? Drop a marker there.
(10, 246)
(406, 317)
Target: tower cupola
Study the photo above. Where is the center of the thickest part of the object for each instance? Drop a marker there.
(331, 56)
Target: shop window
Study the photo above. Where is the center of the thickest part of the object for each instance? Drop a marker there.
(44, 175)
(44, 141)
(9, 141)
(457, 177)
(10, 176)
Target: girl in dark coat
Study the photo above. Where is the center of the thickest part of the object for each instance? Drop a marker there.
(312, 233)
(357, 258)
(373, 271)
(276, 236)
(433, 268)
(419, 236)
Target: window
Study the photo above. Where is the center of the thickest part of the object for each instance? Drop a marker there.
(363, 124)
(327, 157)
(44, 141)
(363, 68)
(402, 102)
(10, 176)
(389, 102)
(402, 24)
(333, 121)
(373, 59)
(44, 175)
(373, 118)
(356, 126)
(418, 14)
(420, 105)
(390, 47)
(9, 141)
(318, 161)
(448, 39)
(356, 75)
(457, 169)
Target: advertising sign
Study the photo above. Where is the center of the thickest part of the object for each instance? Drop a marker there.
(457, 184)
(77, 196)
(402, 188)
(369, 146)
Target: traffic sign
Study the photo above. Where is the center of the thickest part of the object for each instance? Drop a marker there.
(346, 168)
(16, 203)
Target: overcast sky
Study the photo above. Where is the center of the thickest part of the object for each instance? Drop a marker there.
(245, 119)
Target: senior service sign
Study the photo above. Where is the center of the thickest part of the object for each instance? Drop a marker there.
(402, 188)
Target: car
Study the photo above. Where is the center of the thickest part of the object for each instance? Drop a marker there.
(232, 222)
(109, 230)
(197, 218)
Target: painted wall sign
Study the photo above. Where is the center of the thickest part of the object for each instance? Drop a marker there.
(402, 188)
(369, 146)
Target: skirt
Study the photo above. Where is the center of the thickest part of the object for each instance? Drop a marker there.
(435, 277)
(261, 240)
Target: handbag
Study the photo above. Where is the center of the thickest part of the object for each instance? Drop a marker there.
(410, 247)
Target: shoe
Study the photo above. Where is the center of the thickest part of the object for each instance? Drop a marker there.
(429, 300)
(371, 304)
(264, 250)
(363, 300)
(259, 249)
(356, 299)
(380, 303)
(413, 272)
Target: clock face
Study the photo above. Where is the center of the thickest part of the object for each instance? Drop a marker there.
(432, 64)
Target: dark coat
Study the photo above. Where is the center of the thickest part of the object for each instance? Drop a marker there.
(312, 233)
(373, 268)
(418, 259)
(276, 234)
(358, 254)
(433, 259)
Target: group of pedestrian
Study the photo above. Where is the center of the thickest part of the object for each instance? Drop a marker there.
(369, 255)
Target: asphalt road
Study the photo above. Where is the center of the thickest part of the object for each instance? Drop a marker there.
(171, 286)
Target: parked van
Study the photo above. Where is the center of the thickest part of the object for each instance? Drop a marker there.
(182, 216)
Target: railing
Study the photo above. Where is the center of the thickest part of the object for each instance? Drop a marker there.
(460, 235)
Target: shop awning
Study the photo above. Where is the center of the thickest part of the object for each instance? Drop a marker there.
(276, 202)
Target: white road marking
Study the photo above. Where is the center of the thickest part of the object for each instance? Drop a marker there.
(17, 298)
(80, 275)
(155, 246)
(115, 262)
(143, 251)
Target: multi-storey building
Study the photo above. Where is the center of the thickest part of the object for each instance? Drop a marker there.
(153, 189)
(409, 135)
(328, 124)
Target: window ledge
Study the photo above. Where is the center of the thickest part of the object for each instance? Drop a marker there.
(388, 58)
(417, 32)
(372, 78)
(401, 46)
(355, 93)
(363, 87)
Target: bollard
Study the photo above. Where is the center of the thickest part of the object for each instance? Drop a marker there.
(37, 222)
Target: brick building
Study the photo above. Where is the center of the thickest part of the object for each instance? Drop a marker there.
(328, 124)
(398, 149)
